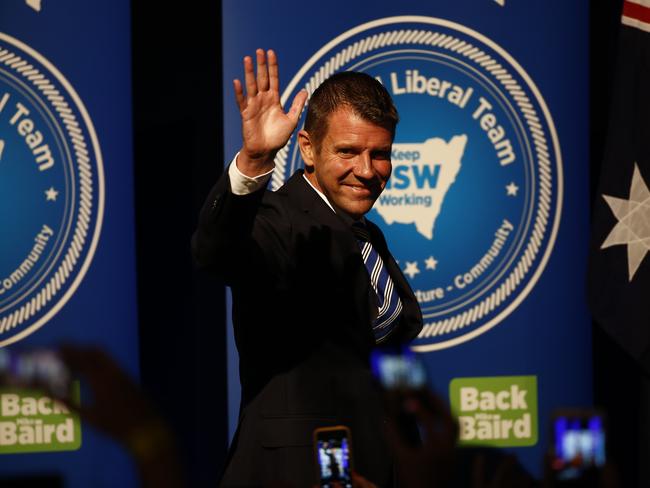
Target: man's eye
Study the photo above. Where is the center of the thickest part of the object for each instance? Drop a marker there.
(345, 150)
(382, 155)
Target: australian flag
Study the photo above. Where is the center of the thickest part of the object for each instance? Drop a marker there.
(619, 281)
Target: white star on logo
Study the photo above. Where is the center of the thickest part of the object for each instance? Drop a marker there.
(633, 226)
(51, 194)
(512, 189)
(411, 269)
(431, 262)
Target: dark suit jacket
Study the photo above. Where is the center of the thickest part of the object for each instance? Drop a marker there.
(302, 314)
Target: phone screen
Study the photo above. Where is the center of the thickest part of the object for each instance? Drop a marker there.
(579, 444)
(333, 454)
(37, 368)
(398, 368)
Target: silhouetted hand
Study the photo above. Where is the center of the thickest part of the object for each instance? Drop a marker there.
(118, 406)
(358, 481)
(606, 477)
(120, 410)
(431, 464)
(507, 474)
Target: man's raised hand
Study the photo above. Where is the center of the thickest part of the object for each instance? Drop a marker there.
(265, 126)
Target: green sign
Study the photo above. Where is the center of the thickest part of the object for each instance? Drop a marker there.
(31, 421)
(498, 411)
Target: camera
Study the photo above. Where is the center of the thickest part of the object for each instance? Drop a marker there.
(578, 449)
(332, 447)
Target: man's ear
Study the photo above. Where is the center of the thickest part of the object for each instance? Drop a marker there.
(307, 150)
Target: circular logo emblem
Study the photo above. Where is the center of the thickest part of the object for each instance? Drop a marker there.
(51, 190)
(473, 204)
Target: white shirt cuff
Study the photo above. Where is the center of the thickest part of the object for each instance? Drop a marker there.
(240, 184)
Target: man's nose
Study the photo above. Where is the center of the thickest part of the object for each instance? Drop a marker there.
(363, 168)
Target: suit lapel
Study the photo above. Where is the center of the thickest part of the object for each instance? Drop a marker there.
(345, 244)
(345, 252)
(305, 197)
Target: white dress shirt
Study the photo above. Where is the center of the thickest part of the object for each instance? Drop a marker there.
(240, 184)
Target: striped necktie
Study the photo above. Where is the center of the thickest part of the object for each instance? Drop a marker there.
(389, 304)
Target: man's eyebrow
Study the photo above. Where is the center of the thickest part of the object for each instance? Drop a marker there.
(346, 145)
(379, 153)
(344, 140)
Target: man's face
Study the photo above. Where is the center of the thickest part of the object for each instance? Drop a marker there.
(352, 165)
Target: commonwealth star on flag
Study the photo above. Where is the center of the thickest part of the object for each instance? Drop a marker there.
(619, 268)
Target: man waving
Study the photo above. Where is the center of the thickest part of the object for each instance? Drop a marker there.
(314, 286)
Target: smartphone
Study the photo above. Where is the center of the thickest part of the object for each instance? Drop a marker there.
(398, 368)
(403, 378)
(333, 450)
(579, 439)
(40, 368)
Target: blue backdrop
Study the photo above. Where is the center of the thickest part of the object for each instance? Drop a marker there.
(488, 211)
(81, 286)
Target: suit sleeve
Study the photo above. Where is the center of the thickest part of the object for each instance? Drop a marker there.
(240, 236)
